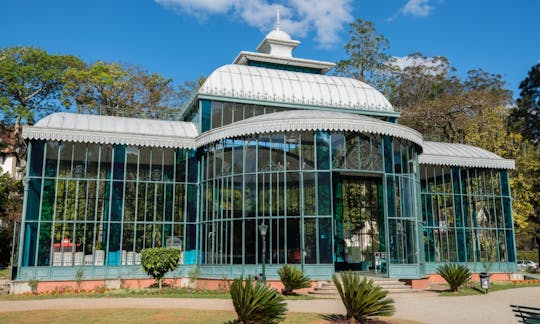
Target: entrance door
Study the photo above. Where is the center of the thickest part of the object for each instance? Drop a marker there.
(359, 223)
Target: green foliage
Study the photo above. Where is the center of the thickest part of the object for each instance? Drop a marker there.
(454, 274)
(292, 279)
(361, 298)
(156, 262)
(33, 283)
(11, 196)
(255, 302)
(367, 59)
(526, 118)
(78, 278)
(31, 82)
(114, 89)
(194, 274)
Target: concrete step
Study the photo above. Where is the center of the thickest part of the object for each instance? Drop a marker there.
(393, 286)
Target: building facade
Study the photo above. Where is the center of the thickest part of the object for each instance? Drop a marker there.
(272, 140)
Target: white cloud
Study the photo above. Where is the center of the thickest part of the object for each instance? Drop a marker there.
(298, 17)
(419, 8)
(430, 65)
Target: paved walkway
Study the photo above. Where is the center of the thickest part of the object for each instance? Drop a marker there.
(425, 307)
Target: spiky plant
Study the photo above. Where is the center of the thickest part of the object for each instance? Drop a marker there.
(454, 274)
(254, 302)
(361, 298)
(292, 279)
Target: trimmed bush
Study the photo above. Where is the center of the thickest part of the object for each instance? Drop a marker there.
(254, 302)
(361, 298)
(156, 262)
(454, 274)
(292, 279)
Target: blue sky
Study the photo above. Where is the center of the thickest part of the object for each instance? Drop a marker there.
(184, 39)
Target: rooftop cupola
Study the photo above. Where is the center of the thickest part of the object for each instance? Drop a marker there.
(277, 42)
(275, 52)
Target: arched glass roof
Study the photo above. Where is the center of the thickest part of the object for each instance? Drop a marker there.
(299, 120)
(295, 88)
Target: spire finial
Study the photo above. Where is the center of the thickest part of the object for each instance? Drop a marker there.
(277, 19)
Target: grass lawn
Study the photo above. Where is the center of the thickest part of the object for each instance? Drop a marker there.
(147, 316)
(145, 292)
(474, 288)
(137, 316)
(4, 273)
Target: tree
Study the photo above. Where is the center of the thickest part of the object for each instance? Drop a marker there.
(526, 117)
(367, 60)
(188, 90)
(441, 106)
(156, 262)
(31, 84)
(11, 193)
(113, 89)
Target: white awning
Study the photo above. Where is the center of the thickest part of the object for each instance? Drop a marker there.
(299, 120)
(450, 154)
(113, 130)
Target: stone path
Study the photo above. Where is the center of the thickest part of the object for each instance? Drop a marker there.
(425, 307)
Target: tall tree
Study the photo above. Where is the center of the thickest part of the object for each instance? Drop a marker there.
(31, 84)
(120, 90)
(368, 61)
(526, 118)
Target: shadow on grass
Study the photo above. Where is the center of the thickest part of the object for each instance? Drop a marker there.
(342, 319)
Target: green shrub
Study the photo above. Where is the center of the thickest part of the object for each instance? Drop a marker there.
(33, 283)
(361, 298)
(292, 279)
(254, 302)
(454, 274)
(79, 278)
(157, 262)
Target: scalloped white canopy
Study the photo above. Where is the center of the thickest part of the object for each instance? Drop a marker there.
(299, 120)
(452, 154)
(160, 133)
(113, 130)
(295, 88)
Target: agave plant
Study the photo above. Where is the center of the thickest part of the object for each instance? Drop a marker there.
(254, 302)
(455, 275)
(362, 298)
(292, 279)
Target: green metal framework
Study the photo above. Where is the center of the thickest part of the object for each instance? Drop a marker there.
(467, 215)
(95, 206)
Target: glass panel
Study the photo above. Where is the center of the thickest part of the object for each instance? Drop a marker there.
(51, 159)
(325, 240)
(309, 193)
(36, 154)
(250, 241)
(310, 241)
(227, 113)
(293, 194)
(293, 241)
(216, 114)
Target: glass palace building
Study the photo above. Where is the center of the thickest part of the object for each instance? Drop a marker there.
(269, 139)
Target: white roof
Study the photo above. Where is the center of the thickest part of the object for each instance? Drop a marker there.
(299, 120)
(462, 155)
(294, 88)
(113, 130)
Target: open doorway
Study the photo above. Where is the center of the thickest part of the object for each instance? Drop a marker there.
(360, 243)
